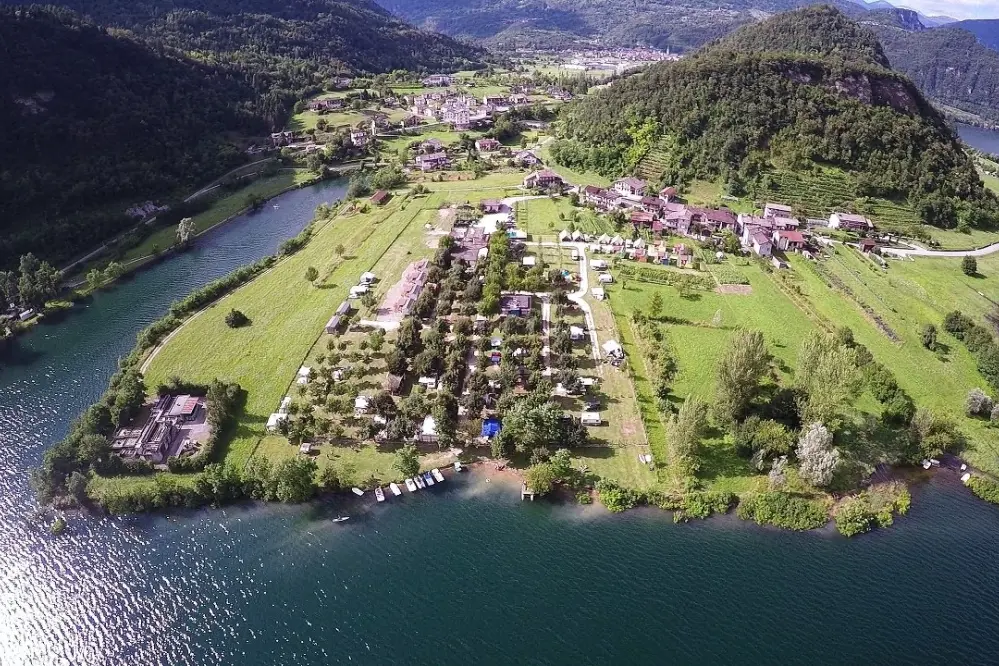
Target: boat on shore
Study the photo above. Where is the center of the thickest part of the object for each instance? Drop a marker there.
(428, 478)
(437, 475)
(420, 483)
(340, 519)
(379, 494)
(410, 486)
(457, 466)
(394, 487)
(357, 491)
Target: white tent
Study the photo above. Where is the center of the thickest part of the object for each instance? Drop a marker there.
(606, 278)
(367, 278)
(604, 239)
(361, 404)
(564, 235)
(590, 418)
(613, 348)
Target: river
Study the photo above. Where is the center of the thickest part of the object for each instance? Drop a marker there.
(459, 574)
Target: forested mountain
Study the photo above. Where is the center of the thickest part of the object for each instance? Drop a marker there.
(948, 64)
(741, 104)
(986, 30)
(131, 101)
(681, 25)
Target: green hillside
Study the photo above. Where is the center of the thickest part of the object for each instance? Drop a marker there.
(738, 106)
(133, 100)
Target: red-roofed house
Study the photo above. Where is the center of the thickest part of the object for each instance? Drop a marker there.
(380, 197)
(641, 218)
(487, 145)
(850, 222)
(789, 241)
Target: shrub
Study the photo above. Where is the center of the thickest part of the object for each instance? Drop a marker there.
(978, 403)
(985, 488)
(783, 510)
(235, 319)
(969, 266)
(616, 498)
(873, 508)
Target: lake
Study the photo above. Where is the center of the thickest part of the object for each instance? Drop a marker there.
(979, 138)
(463, 573)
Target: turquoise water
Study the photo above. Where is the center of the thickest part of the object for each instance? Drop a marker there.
(464, 573)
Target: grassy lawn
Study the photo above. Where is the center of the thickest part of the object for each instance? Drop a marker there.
(950, 239)
(908, 296)
(542, 217)
(287, 315)
(704, 324)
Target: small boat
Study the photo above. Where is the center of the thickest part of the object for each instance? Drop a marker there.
(437, 475)
(926, 464)
(357, 491)
(379, 494)
(428, 478)
(419, 481)
(457, 466)
(340, 519)
(394, 487)
(965, 477)
(410, 486)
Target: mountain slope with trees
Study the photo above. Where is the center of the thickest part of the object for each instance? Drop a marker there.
(985, 30)
(133, 100)
(679, 25)
(949, 65)
(735, 108)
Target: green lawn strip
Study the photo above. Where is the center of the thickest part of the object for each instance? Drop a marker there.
(655, 428)
(287, 316)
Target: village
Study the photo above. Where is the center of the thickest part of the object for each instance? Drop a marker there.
(471, 288)
(497, 292)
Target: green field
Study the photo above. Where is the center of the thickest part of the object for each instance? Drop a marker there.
(287, 315)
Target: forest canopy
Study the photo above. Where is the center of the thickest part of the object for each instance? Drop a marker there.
(133, 100)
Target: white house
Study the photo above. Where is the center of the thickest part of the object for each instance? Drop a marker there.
(632, 186)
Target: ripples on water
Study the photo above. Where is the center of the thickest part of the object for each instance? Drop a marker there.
(461, 574)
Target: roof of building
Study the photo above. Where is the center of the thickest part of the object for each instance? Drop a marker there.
(379, 197)
(792, 236)
(777, 206)
(432, 157)
(515, 301)
(760, 238)
(852, 217)
(632, 182)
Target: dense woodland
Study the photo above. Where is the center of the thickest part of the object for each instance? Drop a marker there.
(730, 112)
(99, 118)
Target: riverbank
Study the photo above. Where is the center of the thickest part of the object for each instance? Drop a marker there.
(221, 213)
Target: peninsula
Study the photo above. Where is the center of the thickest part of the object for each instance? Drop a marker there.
(705, 285)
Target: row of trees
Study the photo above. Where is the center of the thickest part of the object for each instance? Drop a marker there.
(34, 283)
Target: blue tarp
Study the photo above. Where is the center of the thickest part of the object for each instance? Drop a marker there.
(490, 428)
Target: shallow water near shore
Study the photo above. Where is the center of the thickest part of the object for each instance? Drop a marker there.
(460, 573)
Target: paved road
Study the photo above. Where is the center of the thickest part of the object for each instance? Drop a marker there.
(923, 252)
(579, 296)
